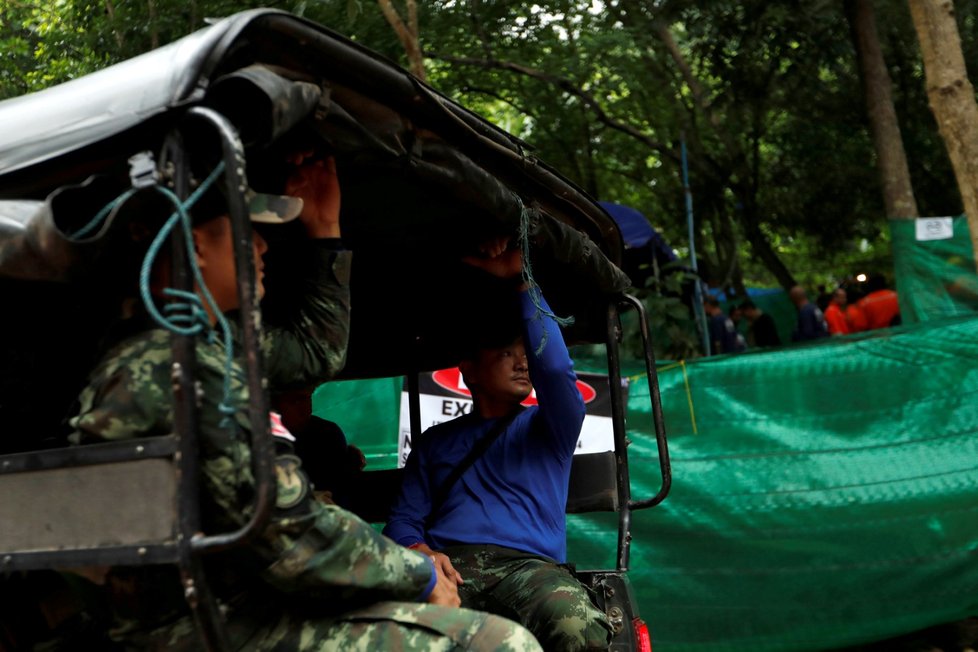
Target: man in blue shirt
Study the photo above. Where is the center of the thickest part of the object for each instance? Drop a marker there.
(723, 334)
(811, 320)
(499, 530)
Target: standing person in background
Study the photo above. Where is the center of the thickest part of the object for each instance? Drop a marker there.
(763, 332)
(823, 298)
(835, 315)
(879, 307)
(723, 335)
(736, 316)
(854, 315)
(811, 321)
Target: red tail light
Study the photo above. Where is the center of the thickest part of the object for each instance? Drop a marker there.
(643, 642)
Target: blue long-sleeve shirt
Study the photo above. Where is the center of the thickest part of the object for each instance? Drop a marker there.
(515, 494)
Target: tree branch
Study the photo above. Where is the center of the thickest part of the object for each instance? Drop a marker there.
(563, 144)
(480, 31)
(567, 86)
(468, 88)
(743, 176)
(408, 36)
(154, 32)
(412, 12)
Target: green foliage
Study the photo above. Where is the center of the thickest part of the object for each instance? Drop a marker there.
(666, 298)
(788, 148)
(41, 45)
(781, 164)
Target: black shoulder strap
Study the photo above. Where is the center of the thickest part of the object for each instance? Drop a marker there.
(440, 495)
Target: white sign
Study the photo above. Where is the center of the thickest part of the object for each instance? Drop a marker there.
(443, 397)
(935, 228)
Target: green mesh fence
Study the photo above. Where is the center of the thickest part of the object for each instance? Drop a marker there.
(935, 279)
(827, 495)
(824, 495)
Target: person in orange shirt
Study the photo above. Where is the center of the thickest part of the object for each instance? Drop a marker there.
(835, 316)
(854, 316)
(879, 307)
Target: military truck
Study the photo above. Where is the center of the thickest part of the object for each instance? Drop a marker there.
(423, 180)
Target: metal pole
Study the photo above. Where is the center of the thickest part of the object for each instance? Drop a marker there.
(262, 445)
(203, 605)
(622, 479)
(698, 310)
(658, 419)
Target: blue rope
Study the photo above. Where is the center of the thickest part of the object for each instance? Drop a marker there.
(534, 289)
(186, 316)
(102, 214)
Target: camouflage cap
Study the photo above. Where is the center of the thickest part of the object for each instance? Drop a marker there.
(264, 208)
(273, 209)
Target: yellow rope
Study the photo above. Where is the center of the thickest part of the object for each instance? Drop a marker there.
(689, 395)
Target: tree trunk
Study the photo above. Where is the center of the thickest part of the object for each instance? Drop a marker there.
(891, 159)
(731, 248)
(407, 34)
(762, 247)
(952, 98)
(154, 32)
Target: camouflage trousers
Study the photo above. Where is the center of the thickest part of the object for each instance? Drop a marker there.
(400, 626)
(539, 593)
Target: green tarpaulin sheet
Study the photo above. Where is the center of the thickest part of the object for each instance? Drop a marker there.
(935, 279)
(824, 495)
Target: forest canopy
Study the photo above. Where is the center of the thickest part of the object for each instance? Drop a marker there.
(766, 94)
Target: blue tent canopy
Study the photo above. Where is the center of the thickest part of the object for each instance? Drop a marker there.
(636, 232)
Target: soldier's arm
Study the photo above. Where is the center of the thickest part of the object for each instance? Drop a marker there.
(312, 348)
(330, 552)
(321, 553)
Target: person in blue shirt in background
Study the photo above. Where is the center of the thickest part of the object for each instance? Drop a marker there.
(811, 321)
(723, 334)
(499, 529)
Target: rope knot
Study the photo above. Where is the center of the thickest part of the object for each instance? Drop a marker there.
(188, 315)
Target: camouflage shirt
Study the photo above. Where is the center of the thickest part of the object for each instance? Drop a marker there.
(321, 554)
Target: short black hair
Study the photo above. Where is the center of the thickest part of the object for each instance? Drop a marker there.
(501, 334)
(747, 304)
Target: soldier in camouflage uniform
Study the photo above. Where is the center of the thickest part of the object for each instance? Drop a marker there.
(317, 578)
(499, 527)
